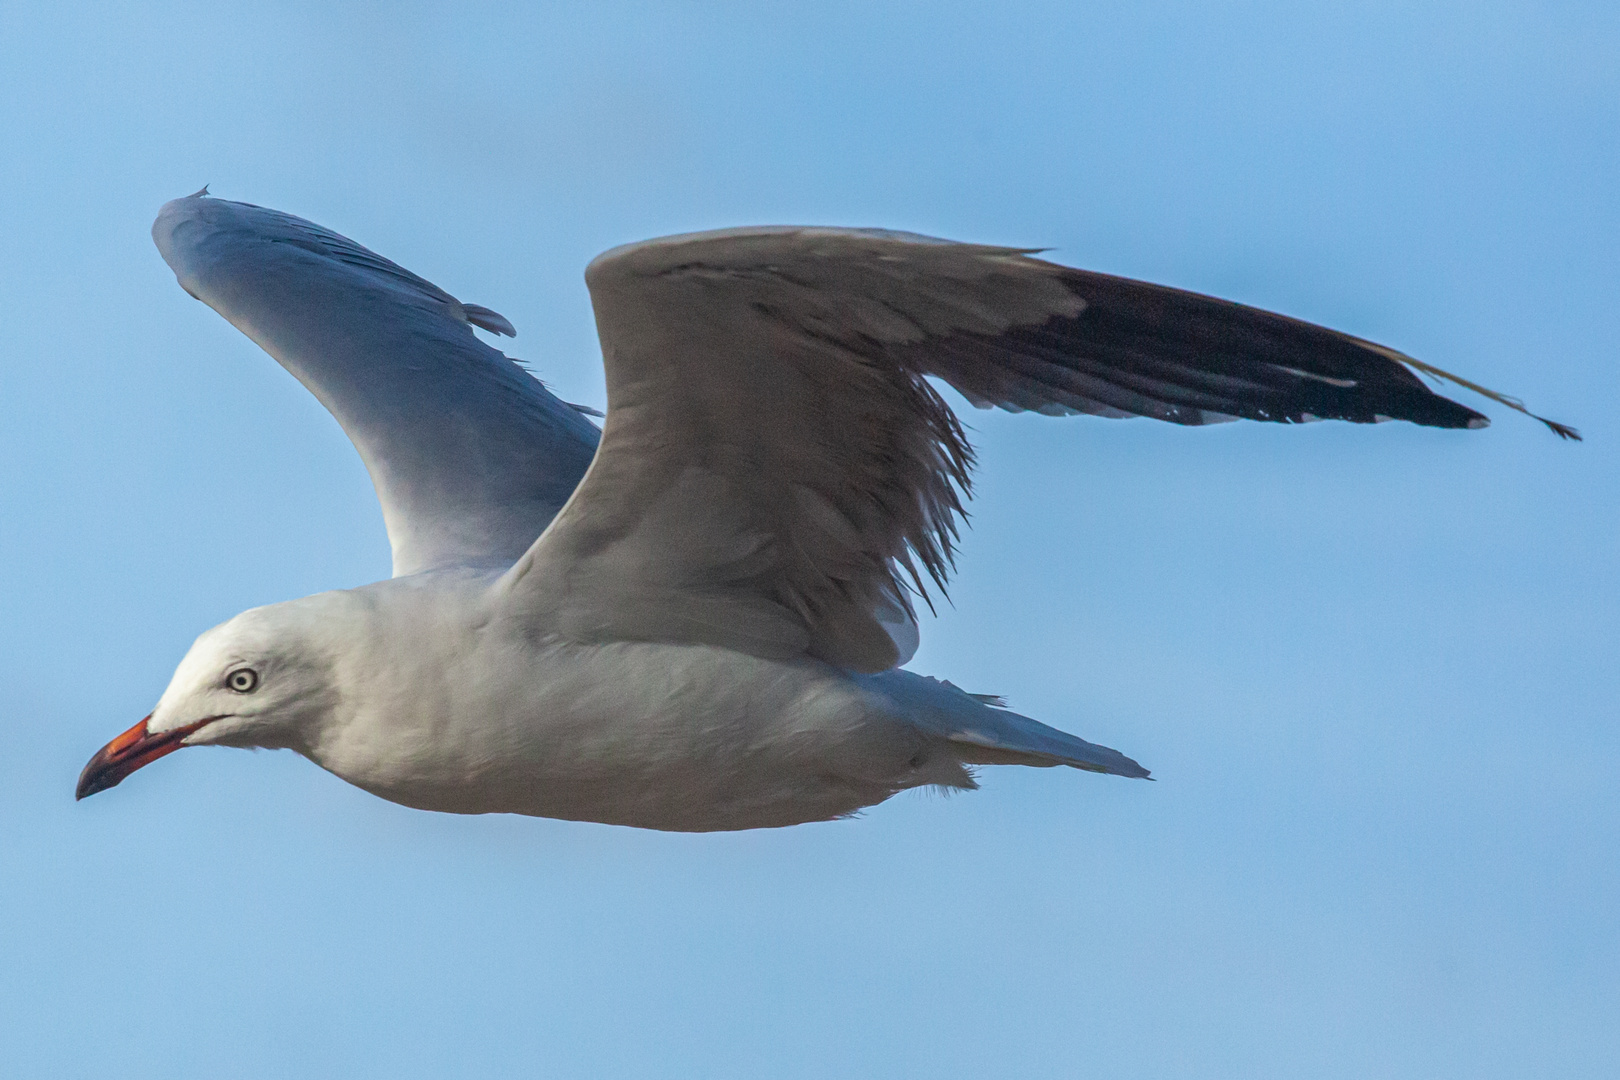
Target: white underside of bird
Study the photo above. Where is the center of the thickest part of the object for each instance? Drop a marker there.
(694, 619)
(425, 690)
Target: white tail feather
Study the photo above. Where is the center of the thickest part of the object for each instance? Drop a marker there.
(980, 733)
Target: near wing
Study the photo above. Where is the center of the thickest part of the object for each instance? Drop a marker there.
(776, 474)
(471, 457)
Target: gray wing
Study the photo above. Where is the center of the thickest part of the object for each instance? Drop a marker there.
(471, 457)
(776, 472)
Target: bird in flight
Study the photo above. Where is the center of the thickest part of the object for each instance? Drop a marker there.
(695, 617)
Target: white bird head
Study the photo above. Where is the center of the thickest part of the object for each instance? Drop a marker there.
(263, 679)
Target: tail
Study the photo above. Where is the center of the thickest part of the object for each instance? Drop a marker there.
(982, 733)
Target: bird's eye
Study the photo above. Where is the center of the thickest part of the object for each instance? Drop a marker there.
(242, 680)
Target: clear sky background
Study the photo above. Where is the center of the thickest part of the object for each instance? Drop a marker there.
(1374, 669)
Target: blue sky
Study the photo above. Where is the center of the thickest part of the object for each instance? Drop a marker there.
(1372, 668)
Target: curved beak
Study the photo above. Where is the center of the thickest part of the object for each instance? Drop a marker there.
(128, 752)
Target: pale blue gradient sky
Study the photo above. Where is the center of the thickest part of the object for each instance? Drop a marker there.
(1373, 668)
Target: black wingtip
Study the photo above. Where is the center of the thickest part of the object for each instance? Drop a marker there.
(1137, 349)
(1563, 431)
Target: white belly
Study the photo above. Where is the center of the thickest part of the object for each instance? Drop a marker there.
(679, 737)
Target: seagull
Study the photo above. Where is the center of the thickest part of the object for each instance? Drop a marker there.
(696, 617)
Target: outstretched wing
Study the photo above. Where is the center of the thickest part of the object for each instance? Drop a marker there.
(777, 474)
(471, 457)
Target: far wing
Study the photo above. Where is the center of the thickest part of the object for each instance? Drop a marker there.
(471, 457)
(776, 472)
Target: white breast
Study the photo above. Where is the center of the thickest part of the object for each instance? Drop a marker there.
(449, 709)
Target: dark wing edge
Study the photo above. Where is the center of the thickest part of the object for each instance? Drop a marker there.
(1138, 349)
(1563, 431)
